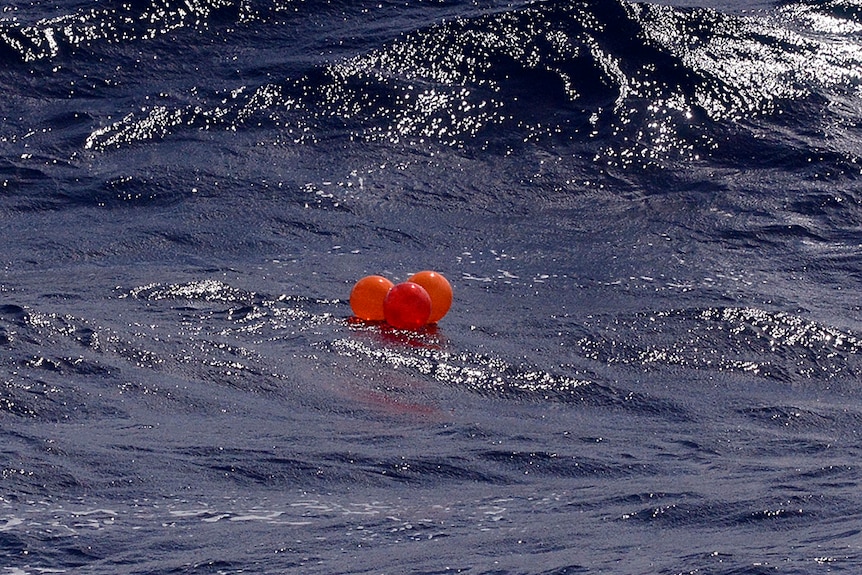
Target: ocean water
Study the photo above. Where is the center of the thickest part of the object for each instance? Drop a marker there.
(651, 215)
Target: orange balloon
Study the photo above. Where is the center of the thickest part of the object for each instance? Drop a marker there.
(367, 295)
(440, 291)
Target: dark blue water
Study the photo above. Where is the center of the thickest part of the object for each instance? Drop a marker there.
(651, 215)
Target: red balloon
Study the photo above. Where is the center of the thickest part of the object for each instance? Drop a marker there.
(407, 306)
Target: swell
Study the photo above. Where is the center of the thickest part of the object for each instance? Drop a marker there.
(624, 95)
(226, 337)
(776, 346)
(112, 23)
(194, 345)
(636, 84)
(68, 368)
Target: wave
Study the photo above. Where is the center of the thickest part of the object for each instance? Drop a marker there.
(631, 85)
(113, 22)
(774, 346)
(229, 337)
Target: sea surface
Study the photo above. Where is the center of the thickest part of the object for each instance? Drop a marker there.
(650, 213)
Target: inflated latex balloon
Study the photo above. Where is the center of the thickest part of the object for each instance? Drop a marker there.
(367, 295)
(440, 291)
(407, 306)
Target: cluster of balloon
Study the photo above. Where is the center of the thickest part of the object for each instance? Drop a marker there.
(424, 298)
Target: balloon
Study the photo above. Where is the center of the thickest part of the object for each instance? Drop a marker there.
(367, 295)
(440, 291)
(407, 306)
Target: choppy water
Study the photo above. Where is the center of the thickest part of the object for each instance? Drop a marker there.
(651, 216)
